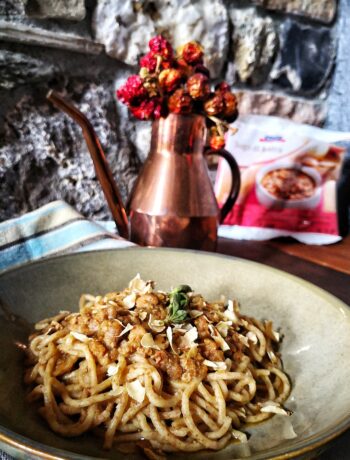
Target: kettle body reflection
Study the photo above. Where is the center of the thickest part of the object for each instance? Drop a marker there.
(172, 203)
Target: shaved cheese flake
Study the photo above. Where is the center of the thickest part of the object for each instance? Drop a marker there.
(270, 332)
(182, 327)
(217, 365)
(243, 339)
(112, 369)
(136, 390)
(221, 342)
(252, 337)
(139, 286)
(143, 315)
(223, 326)
(242, 437)
(147, 341)
(275, 409)
(157, 325)
(79, 336)
(188, 340)
(169, 334)
(272, 356)
(229, 313)
(126, 329)
(276, 335)
(218, 339)
(195, 313)
(287, 430)
(130, 301)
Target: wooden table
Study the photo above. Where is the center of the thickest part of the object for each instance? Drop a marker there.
(326, 266)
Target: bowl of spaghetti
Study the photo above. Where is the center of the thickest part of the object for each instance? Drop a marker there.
(201, 354)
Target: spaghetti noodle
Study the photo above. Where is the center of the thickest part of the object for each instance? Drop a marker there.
(171, 368)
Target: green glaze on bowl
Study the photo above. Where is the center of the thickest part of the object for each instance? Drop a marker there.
(315, 349)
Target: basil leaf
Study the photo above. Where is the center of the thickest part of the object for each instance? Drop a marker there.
(182, 288)
(178, 301)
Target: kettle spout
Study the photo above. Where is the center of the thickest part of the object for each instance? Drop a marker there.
(103, 172)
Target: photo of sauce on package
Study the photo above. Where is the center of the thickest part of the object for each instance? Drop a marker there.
(289, 175)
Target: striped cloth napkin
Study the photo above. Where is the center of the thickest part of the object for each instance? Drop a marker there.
(55, 228)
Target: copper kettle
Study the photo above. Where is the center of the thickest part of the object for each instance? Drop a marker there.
(172, 203)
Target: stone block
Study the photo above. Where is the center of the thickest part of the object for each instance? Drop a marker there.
(320, 10)
(59, 9)
(306, 58)
(125, 27)
(268, 103)
(43, 155)
(338, 97)
(18, 68)
(254, 44)
(12, 8)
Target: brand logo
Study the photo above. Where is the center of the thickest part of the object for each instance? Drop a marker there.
(272, 139)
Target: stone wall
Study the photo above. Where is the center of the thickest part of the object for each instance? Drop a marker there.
(278, 55)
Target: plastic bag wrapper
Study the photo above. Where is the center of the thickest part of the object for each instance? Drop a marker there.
(294, 181)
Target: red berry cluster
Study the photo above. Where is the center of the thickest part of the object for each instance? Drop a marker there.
(179, 84)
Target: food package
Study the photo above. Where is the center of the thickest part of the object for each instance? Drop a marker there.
(294, 181)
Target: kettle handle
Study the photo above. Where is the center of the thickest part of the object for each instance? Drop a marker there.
(235, 183)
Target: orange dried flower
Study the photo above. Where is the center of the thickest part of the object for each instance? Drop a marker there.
(198, 86)
(230, 105)
(185, 69)
(222, 87)
(192, 53)
(216, 141)
(180, 102)
(214, 105)
(170, 79)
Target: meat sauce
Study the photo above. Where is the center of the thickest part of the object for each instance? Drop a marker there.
(289, 184)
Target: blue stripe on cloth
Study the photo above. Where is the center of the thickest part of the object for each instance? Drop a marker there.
(51, 243)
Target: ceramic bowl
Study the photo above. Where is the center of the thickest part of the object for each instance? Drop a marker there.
(270, 201)
(315, 348)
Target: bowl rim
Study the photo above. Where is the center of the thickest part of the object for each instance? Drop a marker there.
(9, 438)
